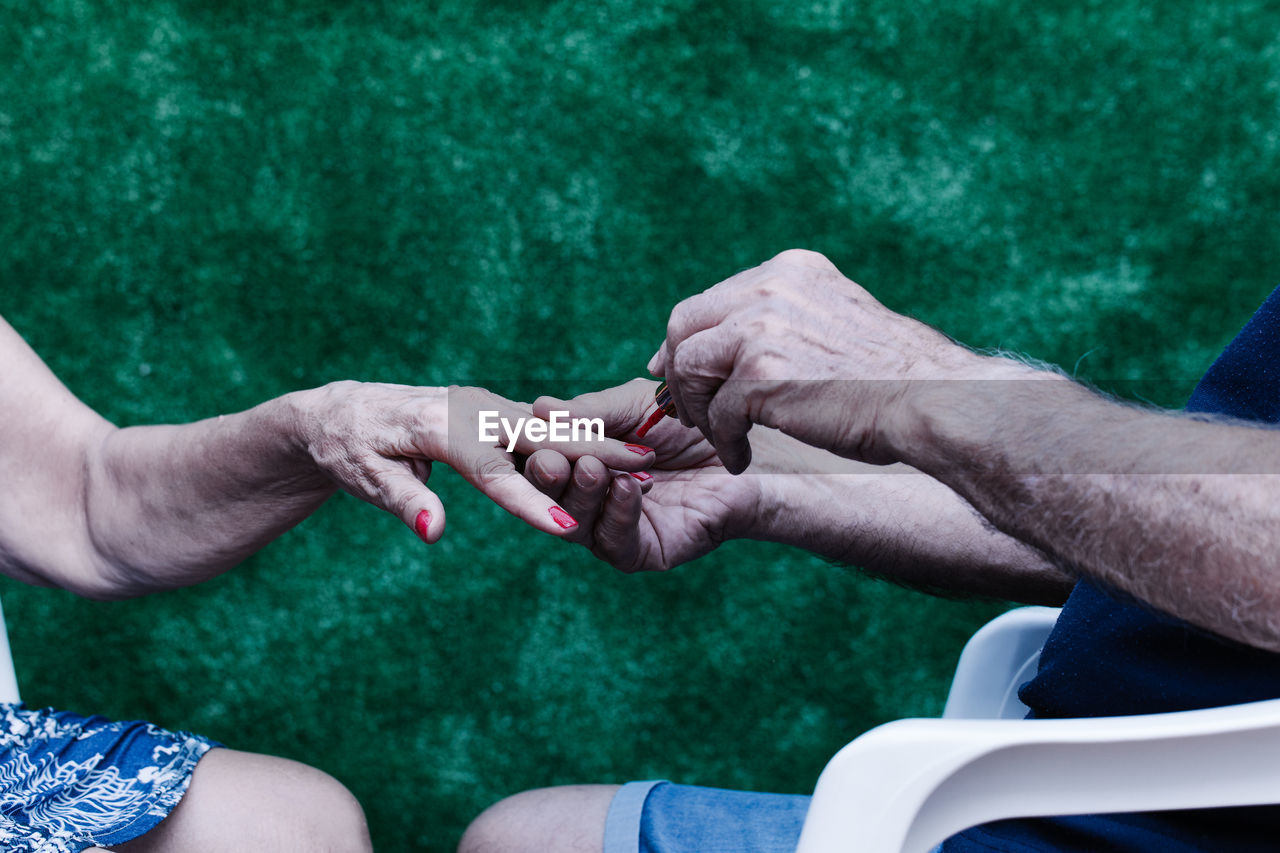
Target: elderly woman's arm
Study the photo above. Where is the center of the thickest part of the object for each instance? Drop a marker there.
(109, 513)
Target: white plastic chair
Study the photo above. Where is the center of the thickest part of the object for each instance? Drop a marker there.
(906, 786)
(8, 677)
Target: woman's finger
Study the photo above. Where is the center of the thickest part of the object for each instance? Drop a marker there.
(493, 473)
(622, 408)
(394, 485)
(421, 468)
(516, 429)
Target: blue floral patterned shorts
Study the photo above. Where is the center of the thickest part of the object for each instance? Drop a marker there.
(69, 782)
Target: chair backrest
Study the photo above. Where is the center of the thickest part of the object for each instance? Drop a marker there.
(997, 660)
(8, 676)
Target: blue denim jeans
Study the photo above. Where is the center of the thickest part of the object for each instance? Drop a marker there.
(659, 817)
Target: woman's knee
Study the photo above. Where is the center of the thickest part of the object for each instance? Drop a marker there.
(568, 819)
(244, 801)
(325, 813)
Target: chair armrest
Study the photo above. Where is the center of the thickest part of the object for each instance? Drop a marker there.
(8, 677)
(908, 785)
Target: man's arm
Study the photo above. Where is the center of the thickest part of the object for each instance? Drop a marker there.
(1179, 512)
(893, 522)
(1165, 508)
(902, 525)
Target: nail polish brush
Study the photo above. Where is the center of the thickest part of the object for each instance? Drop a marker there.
(666, 408)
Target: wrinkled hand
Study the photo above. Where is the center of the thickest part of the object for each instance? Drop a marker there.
(682, 508)
(793, 344)
(378, 442)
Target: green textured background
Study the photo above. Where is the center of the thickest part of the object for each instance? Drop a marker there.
(203, 204)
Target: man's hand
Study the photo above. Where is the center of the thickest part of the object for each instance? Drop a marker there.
(891, 521)
(1133, 498)
(795, 345)
(682, 508)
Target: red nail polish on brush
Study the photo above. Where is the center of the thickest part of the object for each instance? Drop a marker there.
(666, 409)
(562, 518)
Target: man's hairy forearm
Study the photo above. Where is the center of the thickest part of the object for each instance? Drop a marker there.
(894, 522)
(1166, 508)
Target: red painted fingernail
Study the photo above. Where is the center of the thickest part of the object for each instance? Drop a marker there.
(642, 476)
(562, 518)
(639, 448)
(421, 523)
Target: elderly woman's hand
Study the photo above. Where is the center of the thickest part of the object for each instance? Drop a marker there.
(378, 442)
(113, 512)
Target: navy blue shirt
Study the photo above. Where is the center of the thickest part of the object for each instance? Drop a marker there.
(1111, 656)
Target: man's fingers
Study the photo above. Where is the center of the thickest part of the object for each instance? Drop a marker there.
(549, 472)
(697, 370)
(698, 313)
(584, 496)
(804, 258)
(617, 454)
(617, 530)
(729, 424)
(658, 364)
